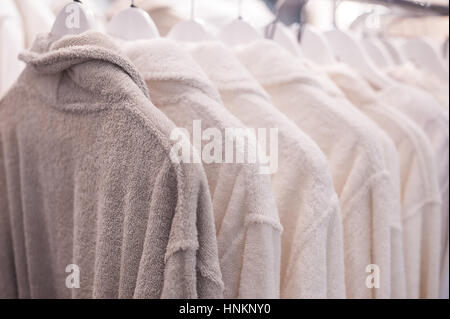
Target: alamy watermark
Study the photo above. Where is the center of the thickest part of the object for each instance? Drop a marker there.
(73, 279)
(231, 145)
(373, 279)
(73, 16)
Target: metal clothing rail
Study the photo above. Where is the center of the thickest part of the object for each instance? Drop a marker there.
(418, 6)
(291, 10)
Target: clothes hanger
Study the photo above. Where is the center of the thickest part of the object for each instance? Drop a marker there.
(285, 38)
(74, 18)
(132, 24)
(190, 30)
(281, 34)
(421, 52)
(315, 47)
(376, 52)
(239, 31)
(396, 55)
(349, 51)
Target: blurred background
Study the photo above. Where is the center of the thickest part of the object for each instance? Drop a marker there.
(394, 17)
(389, 19)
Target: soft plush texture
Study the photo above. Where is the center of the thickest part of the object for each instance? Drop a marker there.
(421, 202)
(392, 163)
(307, 203)
(12, 43)
(391, 160)
(426, 112)
(360, 177)
(408, 74)
(86, 179)
(247, 221)
(420, 102)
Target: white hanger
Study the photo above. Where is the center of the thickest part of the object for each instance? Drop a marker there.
(281, 34)
(286, 38)
(349, 51)
(315, 47)
(376, 52)
(190, 30)
(132, 24)
(239, 31)
(396, 55)
(74, 18)
(421, 52)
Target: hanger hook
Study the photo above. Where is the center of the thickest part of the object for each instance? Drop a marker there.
(240, 9)
(132, 4)
(192, 10)
(278, 7)
(272, 27)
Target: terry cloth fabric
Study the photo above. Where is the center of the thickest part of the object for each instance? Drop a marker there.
(86, 179)
(247, 221)
(360, 177)
(12, 43)
(391, 160)
(426, 112)
(408, 74)
(312, 263)
(419, 187)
